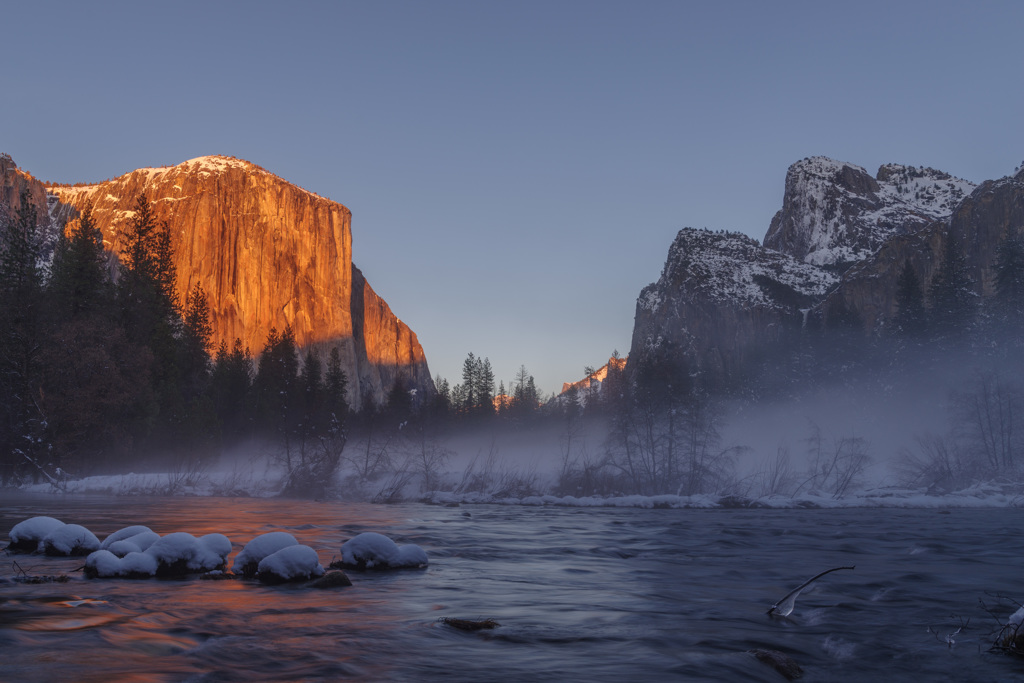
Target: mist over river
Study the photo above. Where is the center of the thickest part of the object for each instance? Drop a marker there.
(583, 594)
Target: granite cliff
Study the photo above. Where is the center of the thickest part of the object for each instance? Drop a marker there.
(13, 183)
(720, 298)
(983, 219)
(838, 244)
(835, 214)
(268, 254)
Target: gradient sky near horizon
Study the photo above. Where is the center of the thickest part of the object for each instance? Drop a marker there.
(516, 171)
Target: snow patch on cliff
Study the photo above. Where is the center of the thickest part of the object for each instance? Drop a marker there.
(732, 267)
(839, 223)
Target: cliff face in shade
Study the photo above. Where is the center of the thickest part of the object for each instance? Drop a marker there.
(386, 349)
(720, 298)
(990, 214)
(268, 254)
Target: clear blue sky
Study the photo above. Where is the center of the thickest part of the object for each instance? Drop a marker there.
(517, 170)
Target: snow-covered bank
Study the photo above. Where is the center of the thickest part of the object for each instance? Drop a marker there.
(982, 495)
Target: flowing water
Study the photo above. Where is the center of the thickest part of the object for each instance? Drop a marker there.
(581, 594)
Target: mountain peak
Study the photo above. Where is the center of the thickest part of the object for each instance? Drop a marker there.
(835, 213)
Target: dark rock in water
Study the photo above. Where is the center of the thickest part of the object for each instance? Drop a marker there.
(332, 579)
(469, 624)
(27, 545)
(779, 661)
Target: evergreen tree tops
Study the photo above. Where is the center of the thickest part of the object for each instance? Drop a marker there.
(78, 277)
(951, 293)
(910, 318)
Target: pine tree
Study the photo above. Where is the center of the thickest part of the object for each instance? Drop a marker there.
(470, 382)
(230, 384)
(21, 289)
(335, 390)
(78, 279)
(910, 318)
(1008, 301)
(150, 312)
(952, 300)
(524, 393)
(275, 383)
(196, 340)
(485, 387)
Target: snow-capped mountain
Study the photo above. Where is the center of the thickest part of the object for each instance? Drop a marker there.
(991, 212)
(838, 244)
(720, 296)
(835, 214)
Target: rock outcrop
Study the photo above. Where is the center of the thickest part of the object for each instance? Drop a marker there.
(13, 183)
(990, 214)
(595, 380)
(268, 254)
(722, 297)
(835, 214)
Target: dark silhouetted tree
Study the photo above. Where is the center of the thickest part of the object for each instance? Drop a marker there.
(1008, 302)
(952, 299)
(910, 318)
(21, 289)
(230, 382)
(78, 282)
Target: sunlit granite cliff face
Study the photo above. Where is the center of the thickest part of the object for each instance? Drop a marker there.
(14, 182)
(268, 254)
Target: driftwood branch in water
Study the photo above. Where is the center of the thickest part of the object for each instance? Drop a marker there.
(784, 607)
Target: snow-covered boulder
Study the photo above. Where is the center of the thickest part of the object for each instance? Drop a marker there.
(124, 534)
(27, 536)
(247, 562)
(291, 563)
(70, 539)
(182, 553)
(134, 565)
(133, 544)
(371, 550)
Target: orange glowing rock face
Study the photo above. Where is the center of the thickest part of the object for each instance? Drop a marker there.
(595, 378)
(268, 254)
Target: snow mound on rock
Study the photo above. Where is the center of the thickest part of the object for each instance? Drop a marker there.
(370, 550)
(105, 564)
(70, 539)
(124, 534)
(27, 536)
(247, 562)
(133, 544)
(183, 553)
(292, 563)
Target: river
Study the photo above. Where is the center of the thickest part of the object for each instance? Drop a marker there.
(582, 594)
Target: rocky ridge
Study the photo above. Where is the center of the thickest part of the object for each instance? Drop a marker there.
(720, 297)
(268, 254)
(835, 214)
(723, 297)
